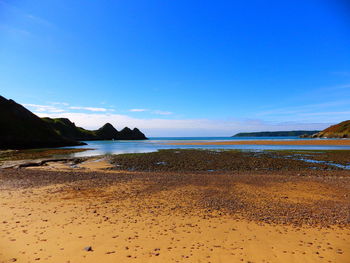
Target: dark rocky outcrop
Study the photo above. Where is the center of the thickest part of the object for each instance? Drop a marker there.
(21, 129)
(68, 129)
(340, 130)
(107, 132)
(128, 134)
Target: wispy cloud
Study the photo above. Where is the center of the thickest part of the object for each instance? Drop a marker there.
(342, 73)
(335, 88)
(59, 103)
(14, 31)
(89, 109)
(138, 110)
(345, 86)
(157, 112)
(329, 113)
(62, 107)
(43, 108)
(38, 20)
(309, 109)
(22, 30)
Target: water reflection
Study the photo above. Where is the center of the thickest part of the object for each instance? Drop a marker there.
(154, 144)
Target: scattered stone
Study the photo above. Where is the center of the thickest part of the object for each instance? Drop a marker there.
(88, 249)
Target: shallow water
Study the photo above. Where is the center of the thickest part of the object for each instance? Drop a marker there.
(346, 167)
(157, 143)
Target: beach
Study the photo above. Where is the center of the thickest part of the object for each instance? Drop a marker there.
(174, 131)
(97, 211)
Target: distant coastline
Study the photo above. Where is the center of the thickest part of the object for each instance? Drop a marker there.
(333, 142)
(275, 133)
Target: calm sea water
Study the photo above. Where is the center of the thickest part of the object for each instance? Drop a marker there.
(157, 143)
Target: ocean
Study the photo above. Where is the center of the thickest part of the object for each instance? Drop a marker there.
(157, 143)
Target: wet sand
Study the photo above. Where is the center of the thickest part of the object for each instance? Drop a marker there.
(335, 142)
(50, 214)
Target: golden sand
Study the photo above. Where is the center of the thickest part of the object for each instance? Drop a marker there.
(55, 223)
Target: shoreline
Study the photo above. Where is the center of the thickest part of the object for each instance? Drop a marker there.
(317, 142)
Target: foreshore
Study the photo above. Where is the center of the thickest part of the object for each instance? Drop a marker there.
(333, 142)
(169, 207)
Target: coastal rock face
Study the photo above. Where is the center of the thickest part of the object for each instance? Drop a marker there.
(66, 128)
(340, 130)
(21, 129)
(107, 132)
(128, 134)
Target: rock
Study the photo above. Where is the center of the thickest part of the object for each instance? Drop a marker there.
(88, 249)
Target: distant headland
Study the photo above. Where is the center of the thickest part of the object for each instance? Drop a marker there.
(22, 129)
(340, 130)
(274, 133)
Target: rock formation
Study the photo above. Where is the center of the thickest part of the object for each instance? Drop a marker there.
(68, 129)
(21, 129)
(340, 130)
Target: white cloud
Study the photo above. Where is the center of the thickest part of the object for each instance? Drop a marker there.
(59, 103)
(158, 112)
(54, 107)
(89, 109)
(43, 108)
(138, 110)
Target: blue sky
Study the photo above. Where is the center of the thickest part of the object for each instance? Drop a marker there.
(179, 68)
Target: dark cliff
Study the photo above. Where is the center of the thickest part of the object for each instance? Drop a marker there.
(21, 129)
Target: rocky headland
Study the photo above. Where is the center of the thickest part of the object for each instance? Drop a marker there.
(340, 130)
(68, 129)
(22, 129)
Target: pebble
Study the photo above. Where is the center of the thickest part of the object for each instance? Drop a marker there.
(89, 248)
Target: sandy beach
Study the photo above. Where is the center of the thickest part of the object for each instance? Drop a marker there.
(174, 131)
(335, 142)
(57, 213)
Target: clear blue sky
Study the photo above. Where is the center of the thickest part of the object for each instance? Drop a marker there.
(179, 67)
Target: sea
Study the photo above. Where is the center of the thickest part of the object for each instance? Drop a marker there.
(158, 143)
